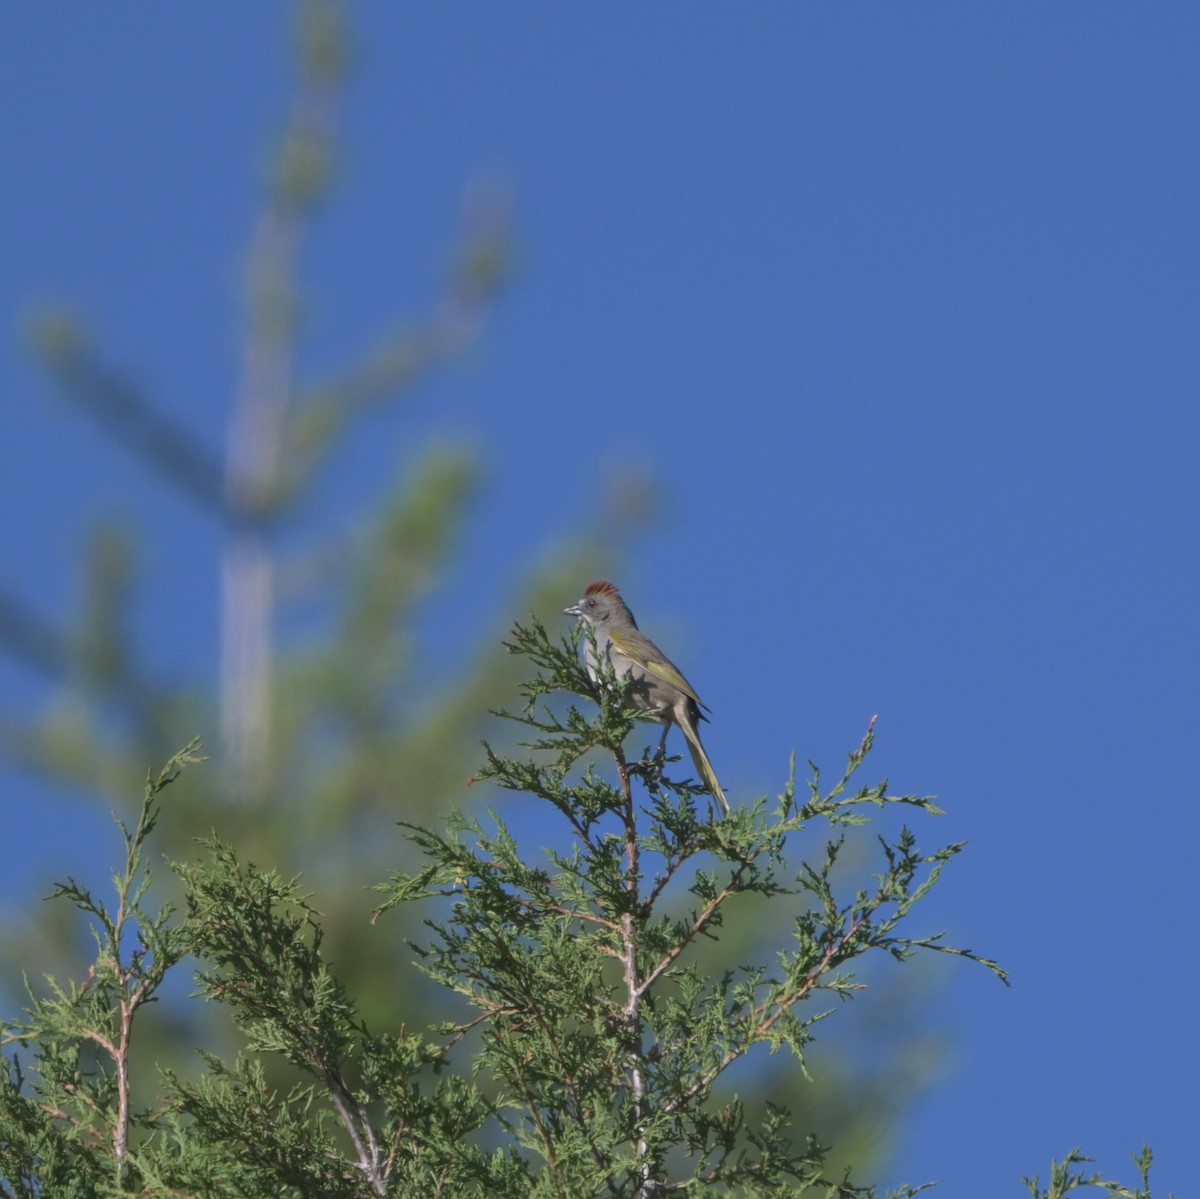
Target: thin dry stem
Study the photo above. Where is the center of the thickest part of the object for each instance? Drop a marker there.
(633, 984)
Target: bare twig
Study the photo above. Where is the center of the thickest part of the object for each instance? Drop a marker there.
(634, 988)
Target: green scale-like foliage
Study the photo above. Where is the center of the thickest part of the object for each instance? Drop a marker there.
(593, 1036)
(606, 1036)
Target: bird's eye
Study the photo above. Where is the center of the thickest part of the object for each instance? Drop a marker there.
(591, 603)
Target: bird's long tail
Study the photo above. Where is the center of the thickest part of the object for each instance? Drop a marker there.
(703, 765)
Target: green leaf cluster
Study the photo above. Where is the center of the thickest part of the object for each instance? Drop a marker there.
(589, 1039)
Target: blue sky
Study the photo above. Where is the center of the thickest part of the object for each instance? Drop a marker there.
(898, 306)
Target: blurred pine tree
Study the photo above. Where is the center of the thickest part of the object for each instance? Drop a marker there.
(318, 744)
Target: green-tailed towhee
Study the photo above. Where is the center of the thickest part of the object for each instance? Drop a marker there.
(655, 686)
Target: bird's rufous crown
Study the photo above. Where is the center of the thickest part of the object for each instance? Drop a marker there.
(600, 587)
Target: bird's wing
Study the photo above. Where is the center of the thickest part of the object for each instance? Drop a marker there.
(647, 655)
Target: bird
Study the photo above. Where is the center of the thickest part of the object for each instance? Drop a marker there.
(655, 685)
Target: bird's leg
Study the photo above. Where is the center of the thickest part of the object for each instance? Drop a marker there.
(652, 767)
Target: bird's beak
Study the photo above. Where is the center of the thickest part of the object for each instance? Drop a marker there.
(573, 610)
